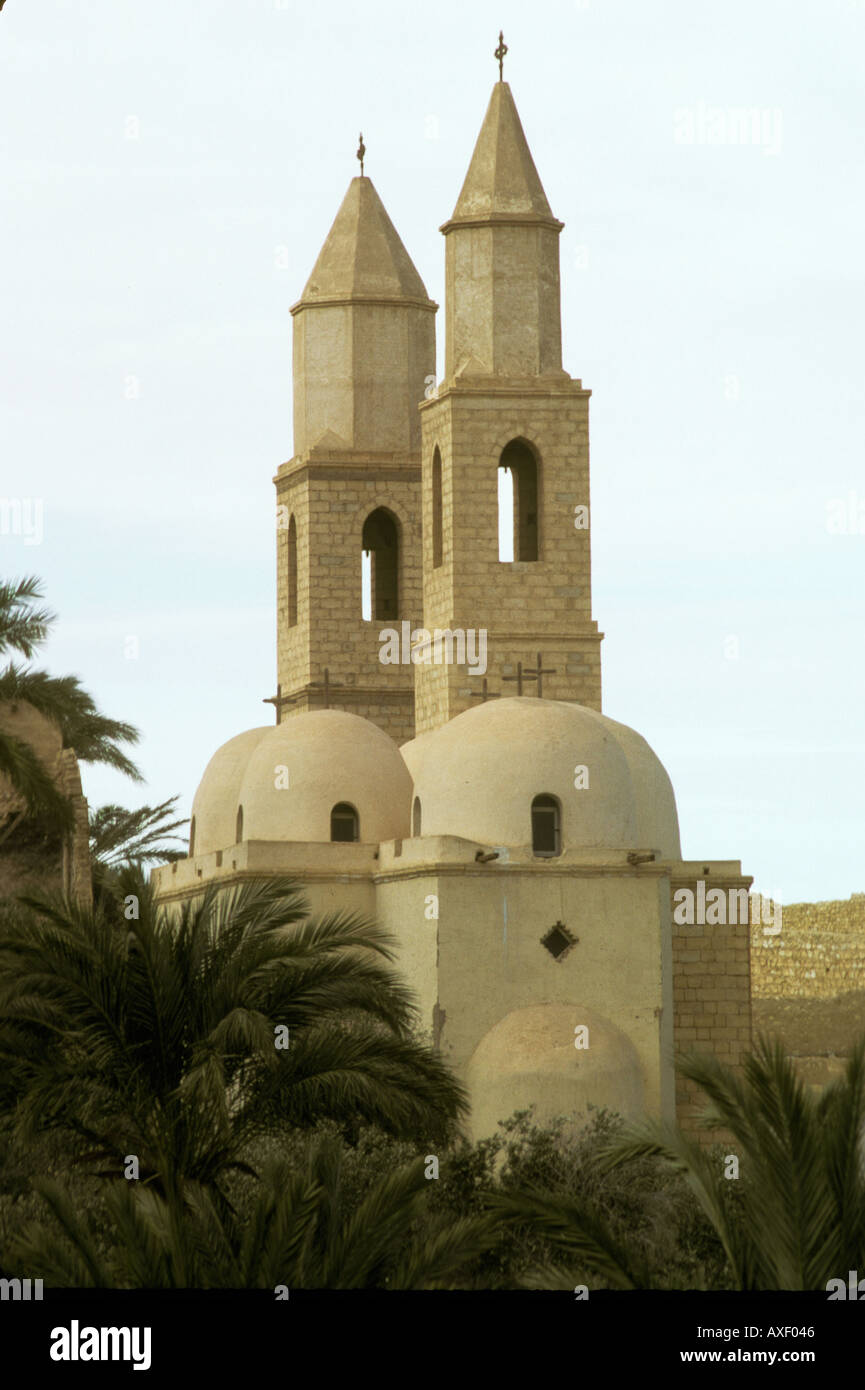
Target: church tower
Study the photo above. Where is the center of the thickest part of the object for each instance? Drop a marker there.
(364, 347)
(506, 423)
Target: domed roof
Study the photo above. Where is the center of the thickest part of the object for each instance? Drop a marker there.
(476, 777)
(214, 806)
(529, 1058)
(288, 778)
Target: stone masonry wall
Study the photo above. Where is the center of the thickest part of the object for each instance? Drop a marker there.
(711, 986)
(330, 500)
(524, 606)
(808, 983)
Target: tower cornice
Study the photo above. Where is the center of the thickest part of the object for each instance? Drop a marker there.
(522, 387)
(498, 219)
(398, 301)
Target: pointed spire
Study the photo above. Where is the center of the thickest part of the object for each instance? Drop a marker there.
(502, 259)
(364, 337)
(363, 256)
(502, 181)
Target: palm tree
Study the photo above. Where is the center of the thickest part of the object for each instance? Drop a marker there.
(794, 1215)
(24, 625)
(295, 1231)
(178, 1035)
(119, 836)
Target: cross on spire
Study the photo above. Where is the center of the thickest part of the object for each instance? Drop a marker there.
(483, 694)
(538, 672)
(361, 151)
(500, 54)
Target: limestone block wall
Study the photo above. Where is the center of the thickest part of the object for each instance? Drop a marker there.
(809, 982)
(359, 369)
(330, 499)
(524, 606)
(711, 982)
(33, 858)
(503, 298)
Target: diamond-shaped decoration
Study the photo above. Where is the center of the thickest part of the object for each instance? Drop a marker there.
(558, 940)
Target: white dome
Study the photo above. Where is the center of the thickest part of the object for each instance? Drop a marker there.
(214, 806)
(287, 778)
(476, 778)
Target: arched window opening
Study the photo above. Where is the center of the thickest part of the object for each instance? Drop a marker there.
(506, 514)
(238, 833)
(344, 824)
(546, 827)
(416, 817)
(380, 547)
(437, 508)
(518, 503)
(192, 837)
(292, 572)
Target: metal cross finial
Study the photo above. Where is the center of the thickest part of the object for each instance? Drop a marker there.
(361, 151)
(500, 54)
(485, 694)
(278, 700)
(518, 678)
(538, 672)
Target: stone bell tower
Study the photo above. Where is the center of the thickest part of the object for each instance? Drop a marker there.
(505, 403)
(364, 347)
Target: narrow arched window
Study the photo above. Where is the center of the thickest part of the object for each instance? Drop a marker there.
(344, 823)
(380, 564)
(546, 826)
(292, 572)
(518, 502)
(192, 837)
(437, 508)
(238, 832)
(416, 817)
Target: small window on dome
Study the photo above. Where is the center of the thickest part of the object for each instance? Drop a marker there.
(344, 825)
(238, 833)
(416, 817)
(546, 827)
(191, 838)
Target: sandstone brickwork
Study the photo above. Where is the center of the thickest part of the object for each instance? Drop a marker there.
(808, 983)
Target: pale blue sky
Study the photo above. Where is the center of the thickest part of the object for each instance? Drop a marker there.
(167, 175)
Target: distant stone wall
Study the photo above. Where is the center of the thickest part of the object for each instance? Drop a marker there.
(808, 983)
(819, 952)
